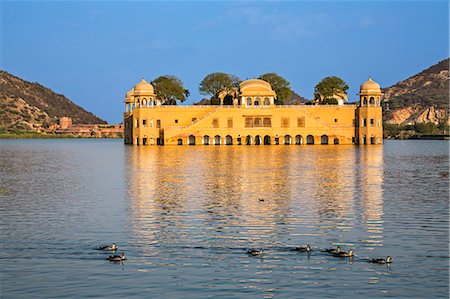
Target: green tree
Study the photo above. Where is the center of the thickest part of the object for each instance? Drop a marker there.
(328, 87)
(215, 83)
(169, 89)
(280, 85)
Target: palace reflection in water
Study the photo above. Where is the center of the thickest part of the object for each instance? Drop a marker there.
(210, 196)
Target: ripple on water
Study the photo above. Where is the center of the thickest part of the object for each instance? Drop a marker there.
(185, 217)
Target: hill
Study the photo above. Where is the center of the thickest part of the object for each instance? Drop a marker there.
(422, 98)
(30, 106)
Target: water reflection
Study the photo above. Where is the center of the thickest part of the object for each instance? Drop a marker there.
(210, 196)
(370, 187)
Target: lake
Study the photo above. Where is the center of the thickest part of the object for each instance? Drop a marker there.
(185, 216)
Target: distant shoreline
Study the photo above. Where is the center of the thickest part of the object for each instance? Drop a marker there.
(37, 135)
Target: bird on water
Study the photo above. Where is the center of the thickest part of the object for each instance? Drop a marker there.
(387, 260)
(333, 250)
(259, 252)
(306, 248)
(117, 258)
(111, 247)
(350, 253)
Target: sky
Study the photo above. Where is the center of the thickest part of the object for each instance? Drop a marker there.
(94, 52)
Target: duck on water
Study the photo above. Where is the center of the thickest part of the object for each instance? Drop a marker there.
(342, 253)
(111, 247)
(306, 248)
(387, 260)
(117, 258)
(259, 252)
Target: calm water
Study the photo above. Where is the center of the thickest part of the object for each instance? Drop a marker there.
(185, 215)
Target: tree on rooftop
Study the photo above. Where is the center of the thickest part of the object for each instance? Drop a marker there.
(281, 86)
(169, 89)
(329, 87)
(216, 83)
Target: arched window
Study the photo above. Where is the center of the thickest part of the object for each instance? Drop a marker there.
(298, 139)
(180, 141)
(310, 139)
(287, 139)
(217, 140)
(267, 140)
(266, 101)
(249, 101)
(372, 101)
(228, 140)
(336, 141)
(248, 140)
(324, 139)
(144, 102)
(257, 140)
(206, 140)
(191, 140)
(364, 101)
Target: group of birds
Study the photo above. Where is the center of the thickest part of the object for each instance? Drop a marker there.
(113, 258)
(337, 252)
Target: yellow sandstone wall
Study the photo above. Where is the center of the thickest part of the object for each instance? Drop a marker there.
(144, 125)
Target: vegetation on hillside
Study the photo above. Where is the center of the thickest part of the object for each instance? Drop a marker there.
(41, 99)
(419, 130)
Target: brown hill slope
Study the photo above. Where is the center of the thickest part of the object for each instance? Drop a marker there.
(421, 98)
(27, 105)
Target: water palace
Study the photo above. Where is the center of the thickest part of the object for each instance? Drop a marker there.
(252, 119)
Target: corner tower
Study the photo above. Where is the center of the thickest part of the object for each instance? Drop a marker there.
(140, 97)
(369, 126)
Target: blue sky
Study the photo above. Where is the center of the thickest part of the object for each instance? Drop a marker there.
(94, 52)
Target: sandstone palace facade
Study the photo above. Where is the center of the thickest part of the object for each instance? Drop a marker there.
(253, 119)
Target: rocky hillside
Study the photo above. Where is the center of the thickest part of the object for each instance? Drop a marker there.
(31, 106)
(422, 98)
(296, 99)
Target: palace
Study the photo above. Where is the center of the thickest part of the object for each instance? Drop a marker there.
(252, 118)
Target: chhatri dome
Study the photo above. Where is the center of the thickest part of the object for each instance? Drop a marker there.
(370, 87)
(128, 96)
(143, 87)
(256, 87)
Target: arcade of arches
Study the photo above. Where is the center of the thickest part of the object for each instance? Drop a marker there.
(252, 119)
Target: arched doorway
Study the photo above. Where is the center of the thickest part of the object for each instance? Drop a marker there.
(180, 141)
(298, 139)
(248, 140)
(228, 100)
(257, 140)
(206, 140)
(324, 139)
(217, 140)
(228, 140)
(267, 140)
(310, 139)
(372, 140)
(191, 140)
(287, 139)
(336, 141)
